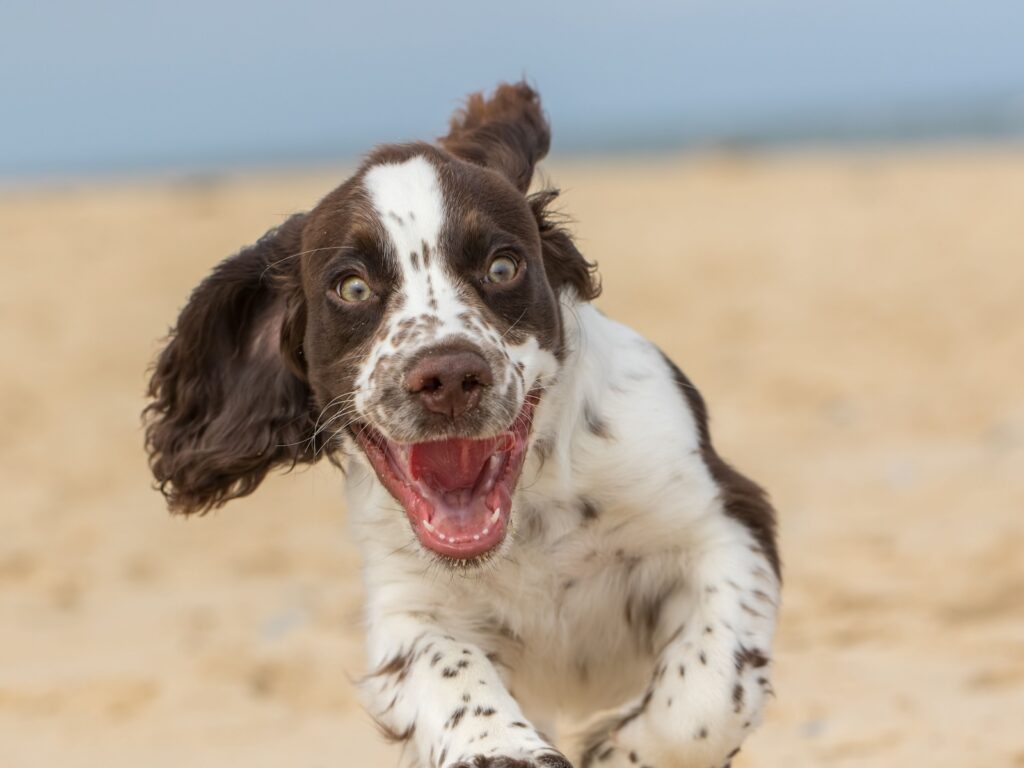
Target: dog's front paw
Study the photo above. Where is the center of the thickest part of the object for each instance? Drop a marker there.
(550, 759)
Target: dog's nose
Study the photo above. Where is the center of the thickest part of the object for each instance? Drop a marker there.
(449, 383)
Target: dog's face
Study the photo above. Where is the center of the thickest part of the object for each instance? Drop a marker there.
(413, 315)
(430, 328)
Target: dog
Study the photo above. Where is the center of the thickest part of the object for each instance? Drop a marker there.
(533, 486)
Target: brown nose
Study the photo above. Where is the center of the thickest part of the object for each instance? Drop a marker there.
(449, 383)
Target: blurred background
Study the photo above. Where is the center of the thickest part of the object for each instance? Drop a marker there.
(815, 208)
(121, 86)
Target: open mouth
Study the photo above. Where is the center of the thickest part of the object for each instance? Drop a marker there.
(456, 492)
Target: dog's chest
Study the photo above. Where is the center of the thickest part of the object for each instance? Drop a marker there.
(571, 614)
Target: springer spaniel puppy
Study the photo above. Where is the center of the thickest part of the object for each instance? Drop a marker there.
(533, 485)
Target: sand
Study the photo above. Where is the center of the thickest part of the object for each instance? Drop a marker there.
(855, 320)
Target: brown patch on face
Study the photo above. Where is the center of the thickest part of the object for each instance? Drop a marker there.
(487, 217)
(345, 236)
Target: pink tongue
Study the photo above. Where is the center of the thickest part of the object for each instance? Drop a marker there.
(450, 465)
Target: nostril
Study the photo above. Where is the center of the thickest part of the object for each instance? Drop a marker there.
(449, 383)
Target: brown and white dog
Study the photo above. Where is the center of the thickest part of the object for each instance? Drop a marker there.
(533, 485)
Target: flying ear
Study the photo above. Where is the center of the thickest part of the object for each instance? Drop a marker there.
(564, 265)
(229, 400)
(506, 133)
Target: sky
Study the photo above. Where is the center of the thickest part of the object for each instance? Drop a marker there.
(113, 86)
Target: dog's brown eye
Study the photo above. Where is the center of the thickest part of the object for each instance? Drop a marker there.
(353, 290)
(502, 269)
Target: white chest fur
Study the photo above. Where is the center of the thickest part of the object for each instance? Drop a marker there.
(606, 508)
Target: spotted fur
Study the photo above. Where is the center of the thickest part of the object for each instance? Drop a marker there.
(639, 583)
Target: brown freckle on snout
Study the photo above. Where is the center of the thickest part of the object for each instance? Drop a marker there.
(428, 322)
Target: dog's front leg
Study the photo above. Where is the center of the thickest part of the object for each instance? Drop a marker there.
(708, 685)
(445, 698)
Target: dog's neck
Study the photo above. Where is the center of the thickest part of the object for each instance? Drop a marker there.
(568, 413)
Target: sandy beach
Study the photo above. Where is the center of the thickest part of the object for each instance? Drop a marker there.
(855, 320)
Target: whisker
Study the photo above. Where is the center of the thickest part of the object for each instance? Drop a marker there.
(273, 264)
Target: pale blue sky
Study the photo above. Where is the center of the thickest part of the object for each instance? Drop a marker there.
(134, 85)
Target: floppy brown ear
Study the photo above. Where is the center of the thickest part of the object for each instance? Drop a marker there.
(507, 132)
(563, 263)
(229, 398)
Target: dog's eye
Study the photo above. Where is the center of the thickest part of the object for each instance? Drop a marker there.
(503, 269)
(353, 289)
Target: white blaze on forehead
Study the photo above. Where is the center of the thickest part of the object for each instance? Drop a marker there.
(408, 200)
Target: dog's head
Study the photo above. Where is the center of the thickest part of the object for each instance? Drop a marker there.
(413, 315)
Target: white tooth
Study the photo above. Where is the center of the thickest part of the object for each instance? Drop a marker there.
(428, 526)
(486, 531)
(476, 537)
(496, 515)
